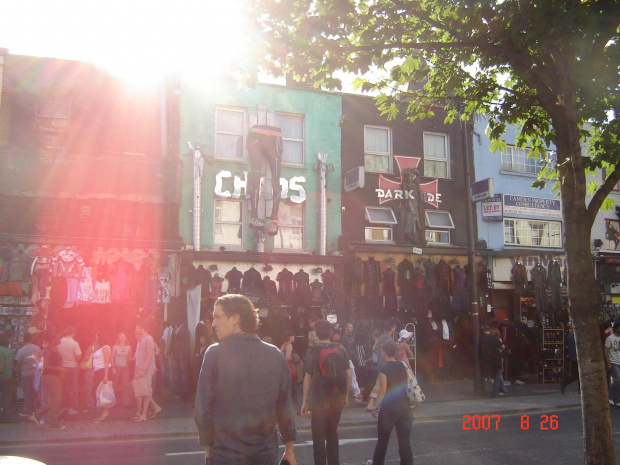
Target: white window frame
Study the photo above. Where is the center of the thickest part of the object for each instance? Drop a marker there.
(430, 224)
(514, 226)
(290, 139)
(217, 222)
(437, 231)
(518, 160)
(283, 227)
(444, 160)
(243, 134)
(387, 224)
(368, 211)
(388, 154)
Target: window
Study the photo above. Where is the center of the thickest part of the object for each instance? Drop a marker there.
(228, 223)
(290, 227)
(436, 157)
(379, 216)
(519, 160)
(377, 149)
(229, 133)
(438, 225)
(533, 233)
(292, 127)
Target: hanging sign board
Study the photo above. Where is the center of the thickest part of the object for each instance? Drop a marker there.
(492, 208)
(535, 206)
(481, 190)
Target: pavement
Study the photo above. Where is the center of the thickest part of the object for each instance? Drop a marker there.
(449, 400)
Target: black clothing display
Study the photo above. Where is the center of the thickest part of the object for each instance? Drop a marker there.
(444, 277)
(406, 284)
(460, 295)
(203, 277)
(554, 279)
(519, 278)
(317, 291)
(430, 279)
(372, 279)
(301, 286)
(234, 280)
(285, 290)
(539, 281)
(269, 296)
(252, 281)
(329, 282)
(389, 292)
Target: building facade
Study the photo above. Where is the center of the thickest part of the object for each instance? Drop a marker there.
(89, 197)
(227, 185)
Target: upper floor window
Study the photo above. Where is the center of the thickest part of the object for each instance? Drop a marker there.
(290, 227)
(377, 149)
(382, 220)
(436, 156)
(519, 160)
(229, 132)
(228, 222)
(438, 226)
(533, 233)
(292, 127)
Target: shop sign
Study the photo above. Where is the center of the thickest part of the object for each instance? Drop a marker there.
(536, 206)
(492, 208)
(291, 188)
(612, 260)
(392, 189)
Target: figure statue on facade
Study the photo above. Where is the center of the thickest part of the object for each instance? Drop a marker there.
(264, 143)
(412, 231)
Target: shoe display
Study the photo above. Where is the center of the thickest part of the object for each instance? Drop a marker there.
(272, 230)
(257, 223)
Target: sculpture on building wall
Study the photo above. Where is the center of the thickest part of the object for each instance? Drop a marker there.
(412, 231)
(264, 143)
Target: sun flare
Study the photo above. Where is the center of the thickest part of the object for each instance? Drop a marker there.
(137, 39)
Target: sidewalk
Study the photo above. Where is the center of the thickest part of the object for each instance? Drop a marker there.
(443, 401)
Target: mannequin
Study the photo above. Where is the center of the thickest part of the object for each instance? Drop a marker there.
(234, 280)
(264, 143)
(285, 291)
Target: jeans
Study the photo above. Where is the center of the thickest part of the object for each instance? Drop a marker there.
(53, 387)
(296, 394)
(324, 425)
(614, 390)
(498, 384)
(389, 418)
(70, 386)
(30, 395)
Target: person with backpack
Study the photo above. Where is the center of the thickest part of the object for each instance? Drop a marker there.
(327, 381)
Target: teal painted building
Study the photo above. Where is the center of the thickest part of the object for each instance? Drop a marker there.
(216, 116)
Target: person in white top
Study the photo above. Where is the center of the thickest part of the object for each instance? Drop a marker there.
(102, 355)
(71, 355)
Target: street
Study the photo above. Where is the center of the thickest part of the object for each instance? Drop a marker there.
(445, 442)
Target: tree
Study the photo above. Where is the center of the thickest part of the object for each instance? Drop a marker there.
(550, 67)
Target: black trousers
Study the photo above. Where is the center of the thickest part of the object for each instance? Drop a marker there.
(400, 418)
(325, 435)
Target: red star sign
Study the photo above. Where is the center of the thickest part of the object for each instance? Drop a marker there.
(428, 189)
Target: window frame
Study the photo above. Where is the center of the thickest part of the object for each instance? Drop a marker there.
(438, 231)
(371, 221)
(244, 113)
(241, 223)
(302, 140)
(281, 226)
(531, 220)
(445, 160)
(382, 241)
(389, 154)
(438, 226)
(536, 164)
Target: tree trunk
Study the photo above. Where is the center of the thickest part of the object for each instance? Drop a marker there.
(583, 292)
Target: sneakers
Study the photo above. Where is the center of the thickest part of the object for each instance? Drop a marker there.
(272, 230)
(27, 415)
(36, 419)
(72, 412)
(58, 427)
(257, 223)
(612, 402)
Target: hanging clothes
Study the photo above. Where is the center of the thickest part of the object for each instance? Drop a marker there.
(203, 277)
(406, 284)
(119, 281)
(460, 296)
(285, 290)
(444, 277)
(301, 284)
(430, 279)
(519, 278)
(372, 280)
(163, 292)
(419, 294)
(554, 280)
(317, 291)
(539, 281)
(269, 296)
(252, 282)
(234, 277)
(389, 292)
(85, 286)
(329, 283)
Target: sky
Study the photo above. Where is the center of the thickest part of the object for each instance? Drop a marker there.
(137, 39)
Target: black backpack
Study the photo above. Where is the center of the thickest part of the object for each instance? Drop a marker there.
(330, 375)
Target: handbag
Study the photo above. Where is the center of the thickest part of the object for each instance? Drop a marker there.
(141, 387)
(87, 364)
(414, 392)
(105, 395)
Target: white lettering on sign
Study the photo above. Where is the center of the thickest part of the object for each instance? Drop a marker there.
(240, 186)
(406, 195)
